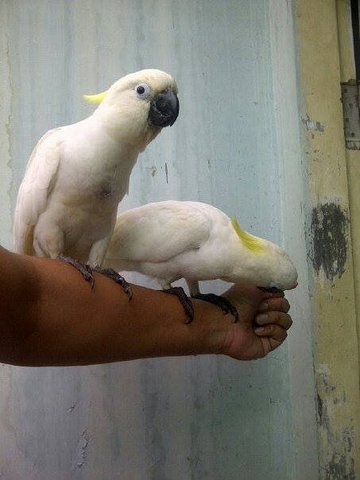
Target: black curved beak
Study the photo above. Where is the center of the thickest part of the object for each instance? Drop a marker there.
(164, 109)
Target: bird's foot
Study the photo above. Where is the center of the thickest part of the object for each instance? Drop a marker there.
(225, 305)
(85, 270)
(119, 279)
(270, 289)
(184, 300)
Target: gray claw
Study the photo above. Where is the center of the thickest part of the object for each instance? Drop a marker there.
(184, 300)
(85, 269)
(119, 279)
(225, 305)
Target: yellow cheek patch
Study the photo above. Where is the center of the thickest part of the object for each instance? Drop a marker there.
(95, 99)
(248, 240)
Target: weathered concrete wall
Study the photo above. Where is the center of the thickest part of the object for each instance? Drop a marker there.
(236, 144)
(329, 240)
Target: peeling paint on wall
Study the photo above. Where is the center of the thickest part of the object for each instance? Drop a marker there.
(81, 453)
(153, 170)
(313, 126)
(329, 232)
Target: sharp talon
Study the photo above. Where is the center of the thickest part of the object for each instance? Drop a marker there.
(119, 279)
(184, 300)
(225, 305)
(85, 270)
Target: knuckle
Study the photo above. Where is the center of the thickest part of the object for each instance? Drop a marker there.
(289, 321)
(286, 305)
(278, 333)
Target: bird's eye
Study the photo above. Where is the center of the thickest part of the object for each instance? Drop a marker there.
(143, 90)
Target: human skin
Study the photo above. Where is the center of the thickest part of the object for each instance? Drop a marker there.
(50, 316)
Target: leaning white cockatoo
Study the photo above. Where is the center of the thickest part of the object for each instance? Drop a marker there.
(77, 174)
(170, 240)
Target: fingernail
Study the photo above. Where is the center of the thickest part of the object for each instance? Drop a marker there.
(262, 318)
(259, 329)
(263, 306)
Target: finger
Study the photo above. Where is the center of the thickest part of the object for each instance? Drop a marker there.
(269, 344)
(280, 304)
(281, 319)
(274, 332)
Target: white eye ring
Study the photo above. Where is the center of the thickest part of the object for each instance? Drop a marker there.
(143, 90)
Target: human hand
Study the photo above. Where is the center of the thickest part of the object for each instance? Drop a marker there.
(263, 322)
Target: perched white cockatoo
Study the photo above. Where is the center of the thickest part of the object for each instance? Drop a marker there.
(177, 239)
(77, 174)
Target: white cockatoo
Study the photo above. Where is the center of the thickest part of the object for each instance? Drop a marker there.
(170, 240)
(77, 174)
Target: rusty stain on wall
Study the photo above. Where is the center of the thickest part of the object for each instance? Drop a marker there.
(329, 232)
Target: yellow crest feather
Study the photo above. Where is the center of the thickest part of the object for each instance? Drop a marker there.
(249, 241)
(95, 99)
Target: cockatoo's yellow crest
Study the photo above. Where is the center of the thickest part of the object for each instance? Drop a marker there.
(95, 99)
(248, 240)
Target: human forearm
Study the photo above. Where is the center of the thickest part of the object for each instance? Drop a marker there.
(104, 326)
(71, 324)
(59, 320)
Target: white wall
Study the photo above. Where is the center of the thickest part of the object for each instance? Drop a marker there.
(177, 418)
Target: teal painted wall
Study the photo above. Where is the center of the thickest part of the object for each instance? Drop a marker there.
(177, 418)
